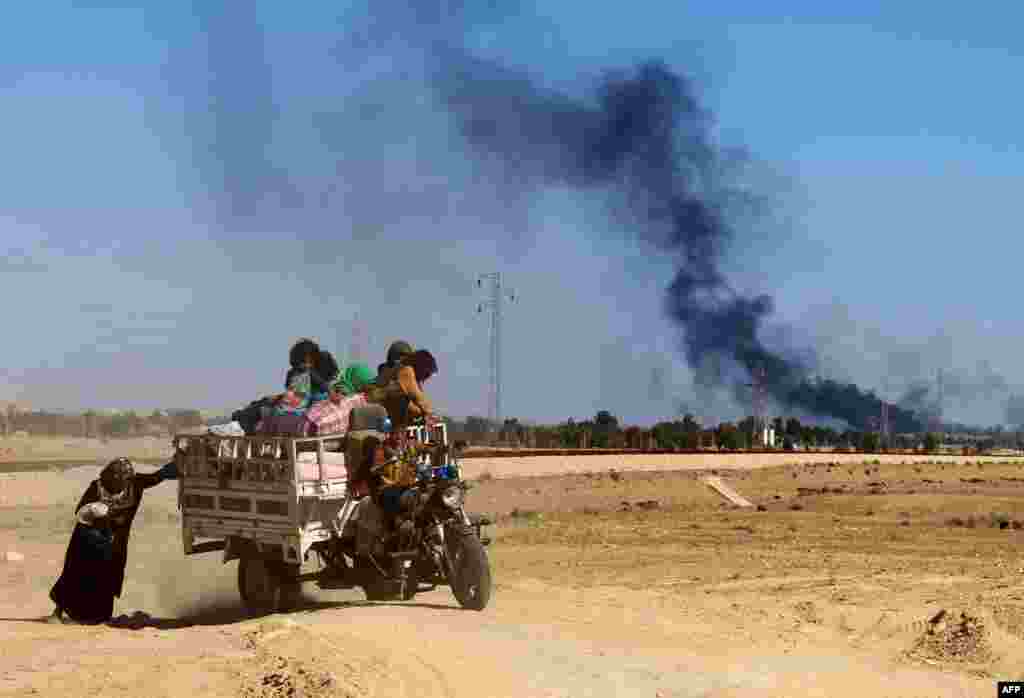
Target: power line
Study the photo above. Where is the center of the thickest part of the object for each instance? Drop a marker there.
(884, 417)
(496, 297)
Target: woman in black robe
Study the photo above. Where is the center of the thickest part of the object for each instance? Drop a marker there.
(94, 565)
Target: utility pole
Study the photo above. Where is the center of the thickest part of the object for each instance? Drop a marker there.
(756, 385)
(883, 422)
(496, 297)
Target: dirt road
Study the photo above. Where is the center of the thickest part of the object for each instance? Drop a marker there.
(685, 599)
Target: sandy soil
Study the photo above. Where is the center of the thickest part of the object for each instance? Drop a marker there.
(632, 583)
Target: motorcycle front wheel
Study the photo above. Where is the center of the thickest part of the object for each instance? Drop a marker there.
(469, 570)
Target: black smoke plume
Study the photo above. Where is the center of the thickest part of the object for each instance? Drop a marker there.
(1015, 411)
(228, 77)
(643, 142)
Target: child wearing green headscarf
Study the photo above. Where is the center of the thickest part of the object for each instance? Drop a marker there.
(354, 379)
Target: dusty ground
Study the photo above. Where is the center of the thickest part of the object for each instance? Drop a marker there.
(608, 584)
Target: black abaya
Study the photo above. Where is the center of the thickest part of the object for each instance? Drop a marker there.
(85, 588)
(95, 561)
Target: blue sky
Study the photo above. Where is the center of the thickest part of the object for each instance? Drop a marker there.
(888, 131)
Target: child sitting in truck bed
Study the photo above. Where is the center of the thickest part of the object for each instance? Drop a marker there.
(307, 383)
(308, 380)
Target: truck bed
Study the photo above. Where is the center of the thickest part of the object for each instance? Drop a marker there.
(277, 491)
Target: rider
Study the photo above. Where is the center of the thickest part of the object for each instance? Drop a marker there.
(398, 349)
(400, 390)
(404, 399)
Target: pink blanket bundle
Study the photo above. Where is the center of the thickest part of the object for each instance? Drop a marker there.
(327, 417)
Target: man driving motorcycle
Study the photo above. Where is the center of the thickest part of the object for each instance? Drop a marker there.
(402, 395)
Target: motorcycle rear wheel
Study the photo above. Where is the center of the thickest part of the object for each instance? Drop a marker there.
(267, 586)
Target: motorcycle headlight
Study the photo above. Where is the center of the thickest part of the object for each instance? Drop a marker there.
(452, 497)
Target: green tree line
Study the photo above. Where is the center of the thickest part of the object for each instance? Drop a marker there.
(685, 433)
(604, 430)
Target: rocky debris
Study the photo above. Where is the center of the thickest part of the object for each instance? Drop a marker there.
(1010, 618)
(279, 671)
(808, 491)
(644, 505)
(962, 640)
(286, 679)
(807, 612)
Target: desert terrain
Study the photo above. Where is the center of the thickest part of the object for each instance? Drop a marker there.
(615, 576)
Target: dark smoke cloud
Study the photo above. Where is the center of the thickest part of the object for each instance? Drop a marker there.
(644, 144)
(354, 169)
(1015, 411)
(918, 398)
(229, 74)
(958, 387)
(983, 384)
(657, 389)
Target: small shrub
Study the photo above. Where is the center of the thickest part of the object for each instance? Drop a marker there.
(796, 506)
(530, 517)
(955, 521)
(999, 519)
